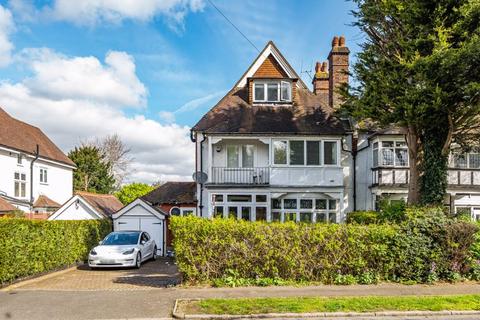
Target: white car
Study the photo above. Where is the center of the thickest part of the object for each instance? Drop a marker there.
(123, 249)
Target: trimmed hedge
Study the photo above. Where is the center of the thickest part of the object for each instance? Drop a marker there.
(421, 250)
(29, 247)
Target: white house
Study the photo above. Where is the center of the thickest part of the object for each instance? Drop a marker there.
(31, 165)
(272, 149)
(87, 206)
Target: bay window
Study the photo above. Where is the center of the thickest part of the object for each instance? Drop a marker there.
(272, 91)
(330, 153)
(305, 152)
(390, 153)
(305, 210)
(297, 152)
(466, 160)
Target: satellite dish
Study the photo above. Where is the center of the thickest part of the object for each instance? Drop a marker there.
(200, 177)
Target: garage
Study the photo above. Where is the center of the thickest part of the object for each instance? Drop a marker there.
(140, 215)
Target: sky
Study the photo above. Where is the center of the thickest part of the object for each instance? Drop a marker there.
(148, 70)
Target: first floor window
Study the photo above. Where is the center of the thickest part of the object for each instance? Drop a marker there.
(313, 153)
(20, 185)
(233, 157)
(330, 153)
(286, 91)
(280, 152)
(272, 92)
(297, 152)
(43, 175)
(247, 156)
(259, 92)
(392, 153)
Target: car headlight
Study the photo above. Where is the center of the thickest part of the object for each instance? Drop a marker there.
(93, 252)
(129, 251)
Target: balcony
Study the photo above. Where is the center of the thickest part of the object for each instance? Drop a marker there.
(240, 176)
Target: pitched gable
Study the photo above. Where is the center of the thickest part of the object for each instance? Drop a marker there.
(270, 68)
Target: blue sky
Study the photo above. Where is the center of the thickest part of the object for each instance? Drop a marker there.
(155, 64)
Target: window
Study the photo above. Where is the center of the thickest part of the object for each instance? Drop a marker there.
(218, 212)
(297, 153)
(19, 159)
(391, 153)
(280, 152)
(175, 211)
(272, 91)
(330, 152)
(20, 185)
(290, 203)
(276, 217)
(261, 198)
(306, 203)
(232, 212)
(239, 198)
(247, 156)
(243, 155)
(306, 217)
(246, 213)
(233, 157)
(188, 212)
(261, 213)
(305, 210)
(43, 175)
(474, 160)
(467, 160)
(276, 204)
(313, 153)
(218, 198)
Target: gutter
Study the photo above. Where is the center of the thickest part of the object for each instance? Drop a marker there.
(37, 154)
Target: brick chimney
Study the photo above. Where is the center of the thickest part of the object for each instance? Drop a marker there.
(337, 69)
(320, 82)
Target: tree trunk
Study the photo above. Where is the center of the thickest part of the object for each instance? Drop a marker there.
(413, 142)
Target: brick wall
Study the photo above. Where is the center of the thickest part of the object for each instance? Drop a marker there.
(337, 69)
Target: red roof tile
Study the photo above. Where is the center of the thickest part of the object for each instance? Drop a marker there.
(106, 204)
(5, 206)
(45, 202)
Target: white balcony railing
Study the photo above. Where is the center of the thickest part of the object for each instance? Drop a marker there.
(255, 176)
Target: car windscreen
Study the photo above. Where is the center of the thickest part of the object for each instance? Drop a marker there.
(121, 238)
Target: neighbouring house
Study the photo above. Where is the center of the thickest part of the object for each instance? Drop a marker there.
(273, 150)
(31, 166)
(152, 212)
(383, 173)
(6, 207)
(86, 206)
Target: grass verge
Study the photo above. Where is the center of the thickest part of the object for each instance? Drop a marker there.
(246, 306)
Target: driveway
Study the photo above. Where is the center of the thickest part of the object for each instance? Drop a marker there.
(153, 274)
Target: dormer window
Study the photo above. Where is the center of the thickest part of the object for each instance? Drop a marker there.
(272, 91)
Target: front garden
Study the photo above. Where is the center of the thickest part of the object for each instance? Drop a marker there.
(406, 245)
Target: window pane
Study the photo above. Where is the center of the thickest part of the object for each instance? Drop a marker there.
(387, 157)
(23, 177)
(45, 175)
(321, 204)
(272, 92)
(313, 153)
(375, 158)
(400, 144)
(286, 91)
(232, 212)
(460, 161)
(297, 153)
(247, 156)
(17, 175)
(246, 213)
(261, 198)
(290, 216)
(332, 204)
(387, 144)
(239, 198)
(175, 211)
(187, 212)
(259, 92)
(306, 217)
(321, 217)
(474, 159)
(218, 212)
(330, 152)
(17, 189)
(276, 204)
(276, 217)
(332, 217)
(280, 152)
(401, 157)
(306, 204)
(218, 198)
(22, 186)
(261, 214)
(232, 156)
(290, 203)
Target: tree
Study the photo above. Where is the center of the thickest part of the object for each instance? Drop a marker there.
(93, 172)
(115, 152)
(416, 70)
(132, 191)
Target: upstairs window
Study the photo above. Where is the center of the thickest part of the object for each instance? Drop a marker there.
(305, 152)
(466, 160)
(390, 153)
(272, 91)
(43, 175)
(20, 185)
(240, 156)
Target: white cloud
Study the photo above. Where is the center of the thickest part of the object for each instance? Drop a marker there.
(86, 101)
(6, 27)
(60, 77)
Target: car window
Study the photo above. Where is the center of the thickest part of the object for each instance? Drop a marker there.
(121, 238)
(147, 236)
(144, 237)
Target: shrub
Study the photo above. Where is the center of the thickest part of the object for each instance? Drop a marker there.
(418, 250)
(28, 247)
(363, 217)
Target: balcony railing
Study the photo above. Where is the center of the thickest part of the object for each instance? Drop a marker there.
(254, 176)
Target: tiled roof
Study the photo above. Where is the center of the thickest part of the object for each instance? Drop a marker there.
(105, 204)
(173, 193)
(23, 137)
(5, 206)
(45, 202)
(308, 115)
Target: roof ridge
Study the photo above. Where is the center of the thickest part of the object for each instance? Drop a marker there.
(94, 194)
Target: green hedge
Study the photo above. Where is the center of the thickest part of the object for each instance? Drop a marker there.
(421, 250)
(28, 247)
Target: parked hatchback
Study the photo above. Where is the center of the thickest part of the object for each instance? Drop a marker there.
(123, 249)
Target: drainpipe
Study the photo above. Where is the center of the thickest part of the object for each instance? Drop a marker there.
(37, 153)
(201, 170)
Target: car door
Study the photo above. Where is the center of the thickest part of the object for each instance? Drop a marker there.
(151, 243)
(144, 246)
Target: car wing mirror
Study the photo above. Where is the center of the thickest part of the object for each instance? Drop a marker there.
(143, 242)
(100, 242)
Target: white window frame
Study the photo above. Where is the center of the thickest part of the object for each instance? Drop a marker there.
(379, 155)
(467, 157)
(239, 148)
(21, 195)
(43, 175)
(321, 151)
(313, 211)
(279, 83)
(20, 160)
(253, 204)
(183, 209)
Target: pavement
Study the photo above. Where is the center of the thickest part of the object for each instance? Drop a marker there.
(80, 293)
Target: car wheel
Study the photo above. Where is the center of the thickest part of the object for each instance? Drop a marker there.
(154, 255)
(138, 261)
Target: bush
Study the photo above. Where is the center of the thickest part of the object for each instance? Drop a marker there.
(28, 247)
(363, 217)
(420, 250)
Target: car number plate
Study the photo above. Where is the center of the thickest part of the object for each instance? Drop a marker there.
(107, 261)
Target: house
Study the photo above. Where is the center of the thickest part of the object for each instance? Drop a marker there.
(272, 149)
(87, 206)
(6, 207)
(383, 173)
(151, 212)
(31, 166)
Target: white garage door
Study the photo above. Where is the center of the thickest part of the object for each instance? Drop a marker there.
(152, 225)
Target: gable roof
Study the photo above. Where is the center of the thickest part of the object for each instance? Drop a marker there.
(172, 193)
(144, 204)
(24, 137)
(106, 204)
(45, 202)
(5, 206)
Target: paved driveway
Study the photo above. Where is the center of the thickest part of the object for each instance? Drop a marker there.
(153, 274)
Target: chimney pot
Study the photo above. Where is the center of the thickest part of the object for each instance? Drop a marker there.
(324, 66)
(335, 41)
(341, 41)
(318, 67)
